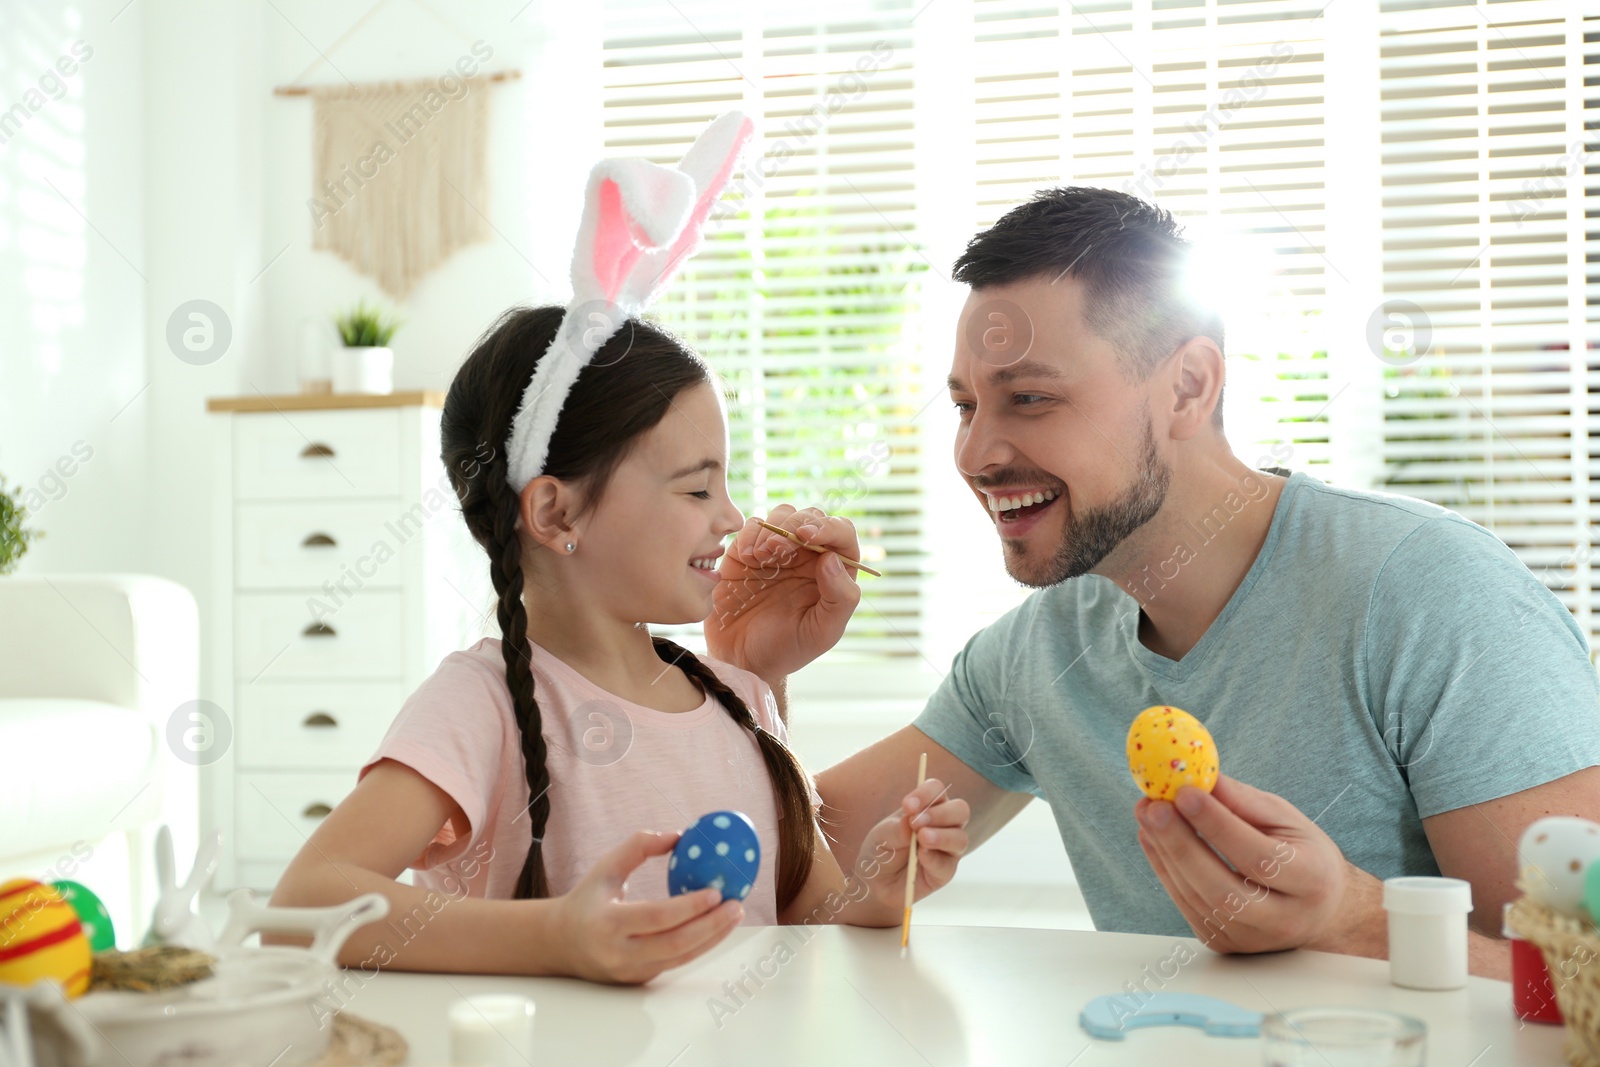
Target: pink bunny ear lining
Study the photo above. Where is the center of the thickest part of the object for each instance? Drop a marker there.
(709, 193)
(687, 244)
(709, 161)
(614, 251)
(655, 199)
(635, 207)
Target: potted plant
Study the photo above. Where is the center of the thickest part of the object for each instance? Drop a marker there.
(366, 363)
(14, 535)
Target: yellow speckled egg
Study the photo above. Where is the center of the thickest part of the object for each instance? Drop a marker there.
(1167, 749)
(40, 937)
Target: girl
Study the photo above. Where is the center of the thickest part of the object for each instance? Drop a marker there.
(512, 776)
(589, 452)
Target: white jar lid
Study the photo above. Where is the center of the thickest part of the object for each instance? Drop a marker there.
(1427, 896)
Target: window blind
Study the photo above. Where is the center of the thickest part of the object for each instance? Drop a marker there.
(809, 296)
(805, 296)
(1211, 109)
(1488, 253)
(1216, 111)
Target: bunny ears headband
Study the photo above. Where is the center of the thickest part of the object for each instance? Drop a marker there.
(641, 221)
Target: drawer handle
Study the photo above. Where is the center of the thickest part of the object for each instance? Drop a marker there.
(316, 811)
(320, 718)
(319, 629)
(318, 540)
(316, 451)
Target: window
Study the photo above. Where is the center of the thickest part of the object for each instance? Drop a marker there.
(1487, 246)
(1216, 112)
(805, 297)
(1391, 200)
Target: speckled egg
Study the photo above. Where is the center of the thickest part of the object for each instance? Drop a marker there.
(1167, 749)
(1555, 853)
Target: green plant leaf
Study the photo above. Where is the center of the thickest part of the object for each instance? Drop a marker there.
(365, 327)
(14, 534)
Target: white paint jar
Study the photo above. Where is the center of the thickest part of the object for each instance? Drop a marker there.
(493, 1030)
(1427, 931)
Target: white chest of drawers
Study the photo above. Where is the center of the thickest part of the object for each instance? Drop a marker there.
(344, 575)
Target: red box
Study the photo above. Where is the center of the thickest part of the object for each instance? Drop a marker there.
(1533, 998)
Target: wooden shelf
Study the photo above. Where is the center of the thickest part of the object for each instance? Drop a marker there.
(408, 398)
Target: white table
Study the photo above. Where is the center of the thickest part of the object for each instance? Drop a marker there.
(963, 995)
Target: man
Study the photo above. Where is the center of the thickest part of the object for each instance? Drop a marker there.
(1400, 693)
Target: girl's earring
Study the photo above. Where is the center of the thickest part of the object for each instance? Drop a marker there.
(571, 546)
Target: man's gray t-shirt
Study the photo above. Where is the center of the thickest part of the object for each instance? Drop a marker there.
(1383, 660)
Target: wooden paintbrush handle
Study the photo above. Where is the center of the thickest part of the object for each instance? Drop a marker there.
(818, 548)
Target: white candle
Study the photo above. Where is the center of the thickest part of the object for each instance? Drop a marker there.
(495, 1030)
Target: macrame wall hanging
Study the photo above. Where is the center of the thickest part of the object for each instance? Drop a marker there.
(397, 185)
(399, 171)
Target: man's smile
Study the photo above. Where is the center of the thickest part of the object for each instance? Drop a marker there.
(1017, 510)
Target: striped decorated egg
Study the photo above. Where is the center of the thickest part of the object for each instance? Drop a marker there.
(41, 937)
(1167, 749)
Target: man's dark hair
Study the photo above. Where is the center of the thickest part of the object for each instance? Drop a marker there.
(1130, 256)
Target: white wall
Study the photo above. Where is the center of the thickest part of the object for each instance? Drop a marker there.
(72, 285)
(525, 259)
(229, 174)
(182, 177)
(163, 170)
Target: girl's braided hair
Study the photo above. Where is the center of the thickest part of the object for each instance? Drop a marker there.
(622, 394)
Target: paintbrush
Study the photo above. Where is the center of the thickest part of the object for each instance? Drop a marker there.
(818, 548)
(911, 862)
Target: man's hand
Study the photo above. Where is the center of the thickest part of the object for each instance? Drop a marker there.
(1289, 886)
(780, 606)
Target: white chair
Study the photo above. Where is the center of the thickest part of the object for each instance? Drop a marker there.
(92, 670)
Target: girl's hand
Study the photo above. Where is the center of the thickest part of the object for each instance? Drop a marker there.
(780, 606)
(940, 824)
(603, 939)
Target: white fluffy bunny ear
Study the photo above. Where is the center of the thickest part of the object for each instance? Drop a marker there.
(640, 223)
(710, 161)
(633, 206)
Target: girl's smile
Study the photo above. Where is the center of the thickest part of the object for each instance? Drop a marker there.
(706, 566)
(664, 509)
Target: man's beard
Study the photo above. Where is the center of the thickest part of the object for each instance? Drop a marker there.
(1091, 537)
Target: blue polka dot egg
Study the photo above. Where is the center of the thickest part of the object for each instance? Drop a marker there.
(718, 850)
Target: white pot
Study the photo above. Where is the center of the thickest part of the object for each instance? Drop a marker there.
(363, 370)
(266, 1004)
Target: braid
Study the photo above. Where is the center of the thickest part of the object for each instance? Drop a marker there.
(797, 829)
(505, 570)
(613, 402)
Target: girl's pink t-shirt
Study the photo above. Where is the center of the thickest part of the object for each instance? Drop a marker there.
(615, 767)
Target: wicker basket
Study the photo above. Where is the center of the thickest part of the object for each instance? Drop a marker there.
(1571, 948)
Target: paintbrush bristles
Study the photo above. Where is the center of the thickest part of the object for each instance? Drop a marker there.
(818, 548)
